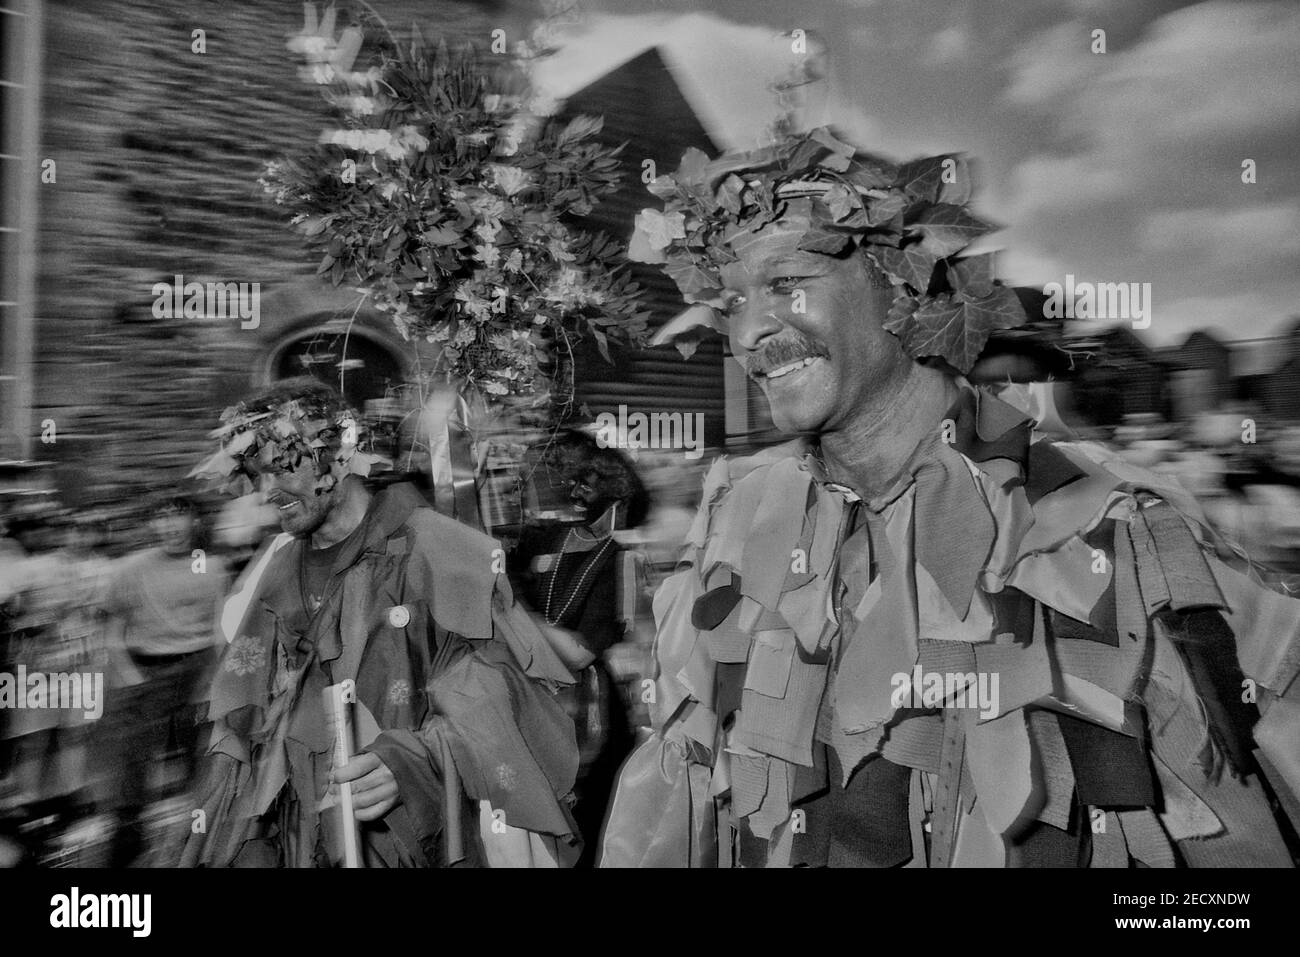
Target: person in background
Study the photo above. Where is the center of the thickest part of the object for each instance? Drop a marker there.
(54, 628)
(465, 757)
(574, 573)
(162, 605)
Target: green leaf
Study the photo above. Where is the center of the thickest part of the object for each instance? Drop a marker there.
(841, 201)
(827, 139)
(887, 234)
(911, 264)
(687, 345)
(957, 330)
(691, 279)
(806, 154)
(900, 312)
(220, 463)
(922, 178)
(821, 240)
(360, 463)
(441, 236)
(729, 193)
(949, 229)
(317, 225)
(866, 176)
(958, 192)
(752, 161)
(884, 208)
(971, 277)
(602, 344)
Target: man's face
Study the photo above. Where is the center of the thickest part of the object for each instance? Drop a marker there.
(588, 504)
(174, 528)
(293, 493)
(819, 357)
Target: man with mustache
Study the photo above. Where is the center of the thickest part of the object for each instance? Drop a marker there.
(919, 527)
(465, 757)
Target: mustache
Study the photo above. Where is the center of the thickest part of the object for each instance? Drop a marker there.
(782, 352)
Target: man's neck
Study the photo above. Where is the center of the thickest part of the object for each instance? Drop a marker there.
(870, 450)
(344, 518)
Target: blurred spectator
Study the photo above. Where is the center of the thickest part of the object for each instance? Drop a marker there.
(55, 628)
(570, 568)
(163, 605)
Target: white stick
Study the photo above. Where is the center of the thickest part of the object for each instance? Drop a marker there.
(338, 702)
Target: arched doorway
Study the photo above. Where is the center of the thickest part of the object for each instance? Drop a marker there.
(364, 367)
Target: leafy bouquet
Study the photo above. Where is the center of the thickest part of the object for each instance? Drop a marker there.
(910, 219)
(448, 201)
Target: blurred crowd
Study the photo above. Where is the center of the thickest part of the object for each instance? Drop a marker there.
(129, 606)
(1244, 473)
(132, 591)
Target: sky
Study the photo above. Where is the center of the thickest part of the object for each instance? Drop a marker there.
(1122, 166)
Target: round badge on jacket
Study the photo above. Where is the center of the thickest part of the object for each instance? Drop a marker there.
(399, 616)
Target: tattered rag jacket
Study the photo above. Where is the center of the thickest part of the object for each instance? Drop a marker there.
(450, 679)
(798, 723)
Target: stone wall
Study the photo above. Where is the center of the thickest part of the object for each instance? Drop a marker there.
(158, 151)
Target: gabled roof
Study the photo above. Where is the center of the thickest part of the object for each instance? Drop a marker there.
(644, 108)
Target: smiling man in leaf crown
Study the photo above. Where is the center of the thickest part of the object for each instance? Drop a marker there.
(465, 758)
(922, 633)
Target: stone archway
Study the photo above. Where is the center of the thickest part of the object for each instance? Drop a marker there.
(310, 328)
(361, 364)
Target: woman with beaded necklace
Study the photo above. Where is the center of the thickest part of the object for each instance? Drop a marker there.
(569, 567)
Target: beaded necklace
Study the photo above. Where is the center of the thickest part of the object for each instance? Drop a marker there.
(590, 563)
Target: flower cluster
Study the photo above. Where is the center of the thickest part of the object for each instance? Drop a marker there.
(910, 220)
(447, 201)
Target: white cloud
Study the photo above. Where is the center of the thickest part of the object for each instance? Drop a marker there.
(1156, 125)
(1052, 65)
(1213, 69)
(1225, 235)
(1062, 184)
(949, 45)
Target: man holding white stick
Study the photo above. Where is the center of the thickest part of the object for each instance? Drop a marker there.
(464, 758)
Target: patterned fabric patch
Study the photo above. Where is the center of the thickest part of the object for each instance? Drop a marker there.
(246, 656)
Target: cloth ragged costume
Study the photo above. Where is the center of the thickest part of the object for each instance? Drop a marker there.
(1016, 656)
(452, 694)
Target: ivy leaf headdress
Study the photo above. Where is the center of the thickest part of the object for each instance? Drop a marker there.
(280, 438)
(910, 220)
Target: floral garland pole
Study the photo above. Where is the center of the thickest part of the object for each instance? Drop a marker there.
(444, 198)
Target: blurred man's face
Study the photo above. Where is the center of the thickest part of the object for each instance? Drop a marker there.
(293, 494)
(819, 357)
(175, 529)
(587, 503)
